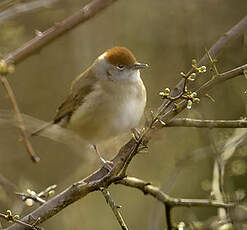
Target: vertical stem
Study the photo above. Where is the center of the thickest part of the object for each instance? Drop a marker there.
(19, 120)
(168, 210)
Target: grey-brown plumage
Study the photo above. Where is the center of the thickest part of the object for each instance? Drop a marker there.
(106, 100)
(81, 87)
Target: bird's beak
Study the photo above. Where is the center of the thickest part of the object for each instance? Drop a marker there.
(138, 66)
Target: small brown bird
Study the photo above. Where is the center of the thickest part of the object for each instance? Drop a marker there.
(106, 100)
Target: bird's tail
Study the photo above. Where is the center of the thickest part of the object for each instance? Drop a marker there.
(38, 131)
(36, 127)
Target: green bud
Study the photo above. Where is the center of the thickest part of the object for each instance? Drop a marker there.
(9, 213)
(32, 193)
(203, 68)
(51, 193)
(197, 100)
(194, 61)
(161, 93)
(167, 91)
(182, 74)
(189, 104)
(192, 76)
(16, 217)
(3, 67)
(181, 226)
(194, 94)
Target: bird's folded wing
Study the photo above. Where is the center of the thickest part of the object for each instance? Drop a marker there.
(81, 87)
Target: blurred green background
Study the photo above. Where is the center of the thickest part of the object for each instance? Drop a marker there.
(165, 34)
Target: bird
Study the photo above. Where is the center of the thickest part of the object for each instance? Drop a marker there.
(105, 101)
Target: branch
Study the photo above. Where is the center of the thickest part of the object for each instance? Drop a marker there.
(19, 120)
(188, 122)
(175, 109)
(114, 208)
(18, 8)
(103, 178)
(155, 192)
(168, 211)
(31, 196)
(15, 218)
(59, 28)
(237, 30)
(221, 160)
(222, 78)
(230, 35)
(36, 44)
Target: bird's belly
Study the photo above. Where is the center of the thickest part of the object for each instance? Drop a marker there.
(109, 118)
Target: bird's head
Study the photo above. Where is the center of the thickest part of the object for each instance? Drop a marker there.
(118, 64)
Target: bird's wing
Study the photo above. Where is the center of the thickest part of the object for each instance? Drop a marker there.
(81, 87)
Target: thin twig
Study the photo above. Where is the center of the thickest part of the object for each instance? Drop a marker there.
(33, 197)
(19, 120)
(197, 123)
(212, 61)
(11, 218)
(168, 210)
(114, 207)
(46, 193)
(201, 91)
(37, 197)
(220, 162)
(218, 185)
(154, 191)
(218, 46)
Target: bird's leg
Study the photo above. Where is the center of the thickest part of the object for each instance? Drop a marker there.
(106, 164)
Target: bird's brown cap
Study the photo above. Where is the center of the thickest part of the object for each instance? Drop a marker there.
(120, 56)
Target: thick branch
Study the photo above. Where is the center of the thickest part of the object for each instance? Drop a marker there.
(155, 192)
(230, 35)
(188, 122)
(94, 182)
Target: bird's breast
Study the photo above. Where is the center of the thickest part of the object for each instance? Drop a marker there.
(109, 111)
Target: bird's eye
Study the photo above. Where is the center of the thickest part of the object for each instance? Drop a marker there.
(120, 67)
